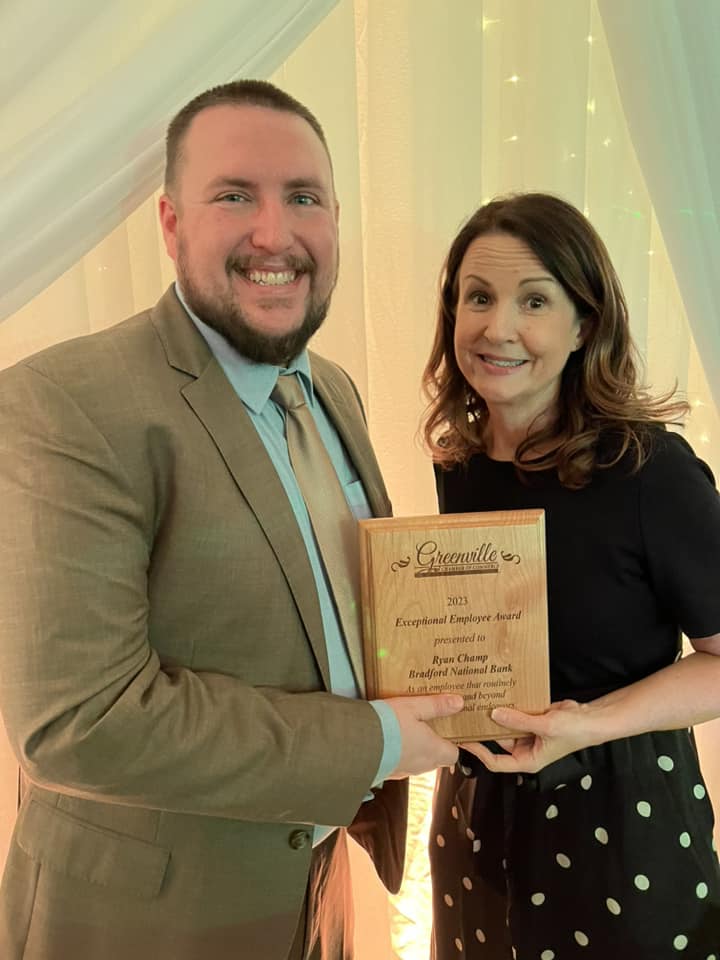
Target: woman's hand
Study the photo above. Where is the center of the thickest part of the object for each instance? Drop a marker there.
(561, 730)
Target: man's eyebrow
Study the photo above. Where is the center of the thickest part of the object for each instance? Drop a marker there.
(240, 183)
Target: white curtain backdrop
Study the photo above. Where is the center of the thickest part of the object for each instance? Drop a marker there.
(87, 89)
(665, 55)
(429, 109)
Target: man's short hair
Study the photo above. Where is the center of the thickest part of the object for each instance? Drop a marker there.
(253, 93)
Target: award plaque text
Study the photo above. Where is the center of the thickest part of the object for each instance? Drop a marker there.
(457, 604)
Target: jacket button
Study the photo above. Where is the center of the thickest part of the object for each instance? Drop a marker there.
(299, 839)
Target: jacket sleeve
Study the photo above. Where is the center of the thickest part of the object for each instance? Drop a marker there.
(88, 706)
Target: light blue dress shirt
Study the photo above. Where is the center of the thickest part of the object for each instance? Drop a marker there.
(254, 383)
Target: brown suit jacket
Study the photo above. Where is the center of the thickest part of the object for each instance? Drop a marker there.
(163, 672)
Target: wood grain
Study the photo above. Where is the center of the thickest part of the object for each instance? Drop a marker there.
(457, 603)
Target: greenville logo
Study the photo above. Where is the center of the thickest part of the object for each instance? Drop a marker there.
(432, 561)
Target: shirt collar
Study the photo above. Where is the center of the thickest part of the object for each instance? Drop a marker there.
(253, 382)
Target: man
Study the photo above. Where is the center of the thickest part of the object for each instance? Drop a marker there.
(175, 674)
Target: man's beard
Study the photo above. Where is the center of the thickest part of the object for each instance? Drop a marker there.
(220, 312)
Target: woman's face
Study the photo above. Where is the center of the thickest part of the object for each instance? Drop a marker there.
(515, 327)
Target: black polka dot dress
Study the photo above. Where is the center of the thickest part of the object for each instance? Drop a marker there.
(618, 862)
(607, 854)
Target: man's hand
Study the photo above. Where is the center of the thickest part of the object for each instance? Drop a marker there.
(422, 748)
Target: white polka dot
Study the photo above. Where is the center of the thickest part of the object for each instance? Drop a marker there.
(711, 956)
(586, 782)
(469, 834)
(643, 808)
(480, 936)
(613, 906)
(665, 763)
(680, 941)
(465, 770)
(454, 812)
(520, 780)
(537, 899)
(467, 883)
(547, 955)
(514, 953)
(642, 882)
(685, 839)
(551, 812)
(712, 844)
(504, 864)
(476, 846)
(562, 860)
(458, 944)
(440, 840)
(449, 900)
(581, 938)
(699, 791)
(701, 891)
(561, 786)
(601, 835)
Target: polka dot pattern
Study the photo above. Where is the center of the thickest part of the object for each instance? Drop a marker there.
(616, 850)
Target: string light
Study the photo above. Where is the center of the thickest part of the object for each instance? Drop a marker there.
(513, 79)
(513, 139)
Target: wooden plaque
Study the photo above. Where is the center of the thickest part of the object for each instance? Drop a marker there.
(458, 604)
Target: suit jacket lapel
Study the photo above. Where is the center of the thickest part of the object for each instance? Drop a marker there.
(353, 432)
(215, 403)
(351, 427)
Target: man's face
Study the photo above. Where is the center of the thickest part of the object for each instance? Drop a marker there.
(251, 223)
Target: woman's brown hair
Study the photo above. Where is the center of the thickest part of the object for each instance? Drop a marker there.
(599, 391)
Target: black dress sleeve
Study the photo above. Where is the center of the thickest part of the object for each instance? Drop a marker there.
(680, 524)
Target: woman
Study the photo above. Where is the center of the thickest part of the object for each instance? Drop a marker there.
(590, 835)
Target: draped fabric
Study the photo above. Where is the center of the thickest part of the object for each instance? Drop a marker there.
(665, 56)
(87, 91)
(429, 109)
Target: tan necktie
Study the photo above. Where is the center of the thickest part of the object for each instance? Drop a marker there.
(332, 520)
